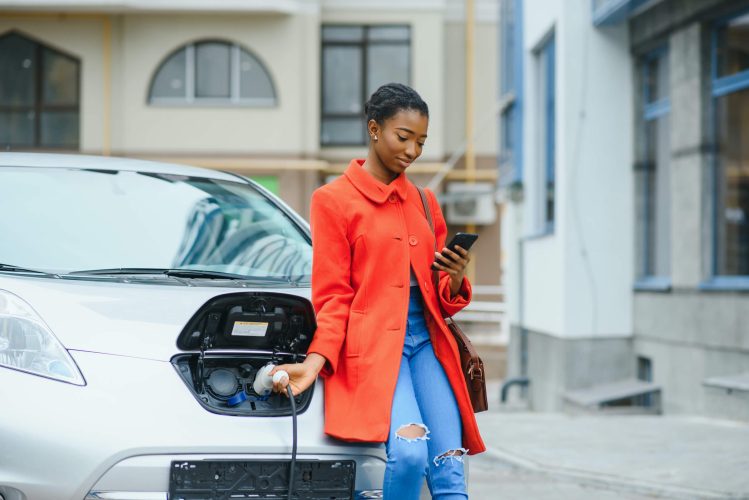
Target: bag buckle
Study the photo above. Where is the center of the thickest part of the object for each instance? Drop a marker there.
(475, 368)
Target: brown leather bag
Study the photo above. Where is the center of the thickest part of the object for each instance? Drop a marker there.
(471, 364)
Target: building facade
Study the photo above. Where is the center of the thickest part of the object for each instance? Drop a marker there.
(269, 89)
(627, 222)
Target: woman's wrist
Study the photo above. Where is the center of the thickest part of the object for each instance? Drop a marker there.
(316, 361)
(455, 285)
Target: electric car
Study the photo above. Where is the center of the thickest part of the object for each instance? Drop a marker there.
(138, 303)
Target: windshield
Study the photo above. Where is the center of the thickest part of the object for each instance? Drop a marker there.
(67, 220)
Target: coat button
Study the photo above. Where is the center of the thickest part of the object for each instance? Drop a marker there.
(393, 198)
(412, 240)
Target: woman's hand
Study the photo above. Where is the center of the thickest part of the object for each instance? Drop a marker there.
(454, 266)
(301, 375)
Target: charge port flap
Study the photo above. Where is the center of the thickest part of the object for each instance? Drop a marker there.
(251, 320)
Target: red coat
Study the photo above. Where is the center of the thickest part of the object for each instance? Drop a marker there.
(364, 235)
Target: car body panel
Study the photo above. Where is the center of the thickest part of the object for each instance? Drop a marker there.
(127, 319)
(135, 414)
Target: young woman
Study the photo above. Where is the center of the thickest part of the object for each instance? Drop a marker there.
(391, 367)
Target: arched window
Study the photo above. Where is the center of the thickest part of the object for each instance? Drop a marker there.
(212, 72)
(39, 95)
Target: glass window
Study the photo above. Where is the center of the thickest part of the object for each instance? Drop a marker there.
(170, 80)
(356, 60)
(732, 189)
(733, 46)
(254, 81)
(546, 99)
(507, 18)
(730, 90)
(99, 219)
(39, 95)
(654, 199)
(389, 33)
(385, 63)
(212, 72)
(342, 95)
(60, 85)
(343, 33)
(511, 92)
(18, 66)
(653, 177)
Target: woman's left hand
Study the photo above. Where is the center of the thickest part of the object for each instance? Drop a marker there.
(454, 266)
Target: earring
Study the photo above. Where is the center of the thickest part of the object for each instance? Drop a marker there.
(375, 137)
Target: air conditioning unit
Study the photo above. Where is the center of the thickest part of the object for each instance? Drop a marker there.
(470, 203)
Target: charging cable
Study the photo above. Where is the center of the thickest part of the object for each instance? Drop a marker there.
(293, 446)
(262, 386)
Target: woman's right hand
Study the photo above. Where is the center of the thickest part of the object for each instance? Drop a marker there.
(301, 375)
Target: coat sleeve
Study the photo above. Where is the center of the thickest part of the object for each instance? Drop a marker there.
(450, 305)
(331, 285)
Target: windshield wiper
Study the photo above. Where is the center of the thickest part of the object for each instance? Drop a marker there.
(17, 269)
(179, 273)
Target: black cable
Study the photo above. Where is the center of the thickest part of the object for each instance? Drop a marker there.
(293, 446)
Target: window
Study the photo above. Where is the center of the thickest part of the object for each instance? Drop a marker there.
(730, 91)
(356, 60)
(546, 106)
(653, 174)
(212, 72)
(511, 85)
(39, 95)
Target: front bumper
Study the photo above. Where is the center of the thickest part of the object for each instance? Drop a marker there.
(116, 437)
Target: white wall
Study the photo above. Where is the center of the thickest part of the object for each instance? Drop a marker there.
(485, 85)
(577, 281)
(279, 42)
(544, 272)
(597, 180)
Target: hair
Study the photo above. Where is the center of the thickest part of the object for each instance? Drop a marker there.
(391, 98)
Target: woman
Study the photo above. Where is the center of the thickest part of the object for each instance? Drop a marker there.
(391, 367)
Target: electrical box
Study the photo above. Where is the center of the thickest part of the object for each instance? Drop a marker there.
(470, 203)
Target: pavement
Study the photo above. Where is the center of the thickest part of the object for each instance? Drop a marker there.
(533, 455)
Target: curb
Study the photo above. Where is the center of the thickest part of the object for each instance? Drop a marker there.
(611, 482)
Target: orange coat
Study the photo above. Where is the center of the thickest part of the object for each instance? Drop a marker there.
(364, 236)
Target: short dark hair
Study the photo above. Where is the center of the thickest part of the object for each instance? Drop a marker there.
(387, 100)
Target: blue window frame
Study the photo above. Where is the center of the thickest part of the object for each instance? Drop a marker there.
(729, 127)
(653, 174)
(511, 93)
(546, 98)
(611, 12)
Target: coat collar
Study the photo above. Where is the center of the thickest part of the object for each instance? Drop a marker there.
(373, 188)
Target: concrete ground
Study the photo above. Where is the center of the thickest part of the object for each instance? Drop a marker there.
(553, 455)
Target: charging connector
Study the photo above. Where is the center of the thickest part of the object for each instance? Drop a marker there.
(292, 466)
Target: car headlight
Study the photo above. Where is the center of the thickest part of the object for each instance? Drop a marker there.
(27, 343)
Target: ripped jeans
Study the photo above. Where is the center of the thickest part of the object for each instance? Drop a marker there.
(423, 398)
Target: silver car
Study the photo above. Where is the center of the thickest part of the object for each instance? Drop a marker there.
(138, 303)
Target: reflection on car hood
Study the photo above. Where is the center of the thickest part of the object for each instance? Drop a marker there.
(128, 319)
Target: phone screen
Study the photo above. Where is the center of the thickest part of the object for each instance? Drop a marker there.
(463, 240)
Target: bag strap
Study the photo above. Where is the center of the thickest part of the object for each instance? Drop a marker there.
(428, 213)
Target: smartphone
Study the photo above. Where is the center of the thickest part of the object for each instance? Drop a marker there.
(463, 240)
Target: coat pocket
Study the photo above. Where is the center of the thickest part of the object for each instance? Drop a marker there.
(356, 330)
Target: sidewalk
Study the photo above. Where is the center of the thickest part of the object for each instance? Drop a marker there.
(659, 456)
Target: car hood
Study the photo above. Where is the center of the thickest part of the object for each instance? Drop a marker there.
(127, 319)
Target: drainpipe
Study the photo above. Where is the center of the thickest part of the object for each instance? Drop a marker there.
(523, 381)
(106, 147)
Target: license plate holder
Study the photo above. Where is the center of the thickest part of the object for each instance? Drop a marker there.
(237, 479)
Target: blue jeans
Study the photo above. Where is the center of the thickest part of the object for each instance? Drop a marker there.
(423, 397)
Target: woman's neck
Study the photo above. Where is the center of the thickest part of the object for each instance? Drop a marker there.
(374, 166)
